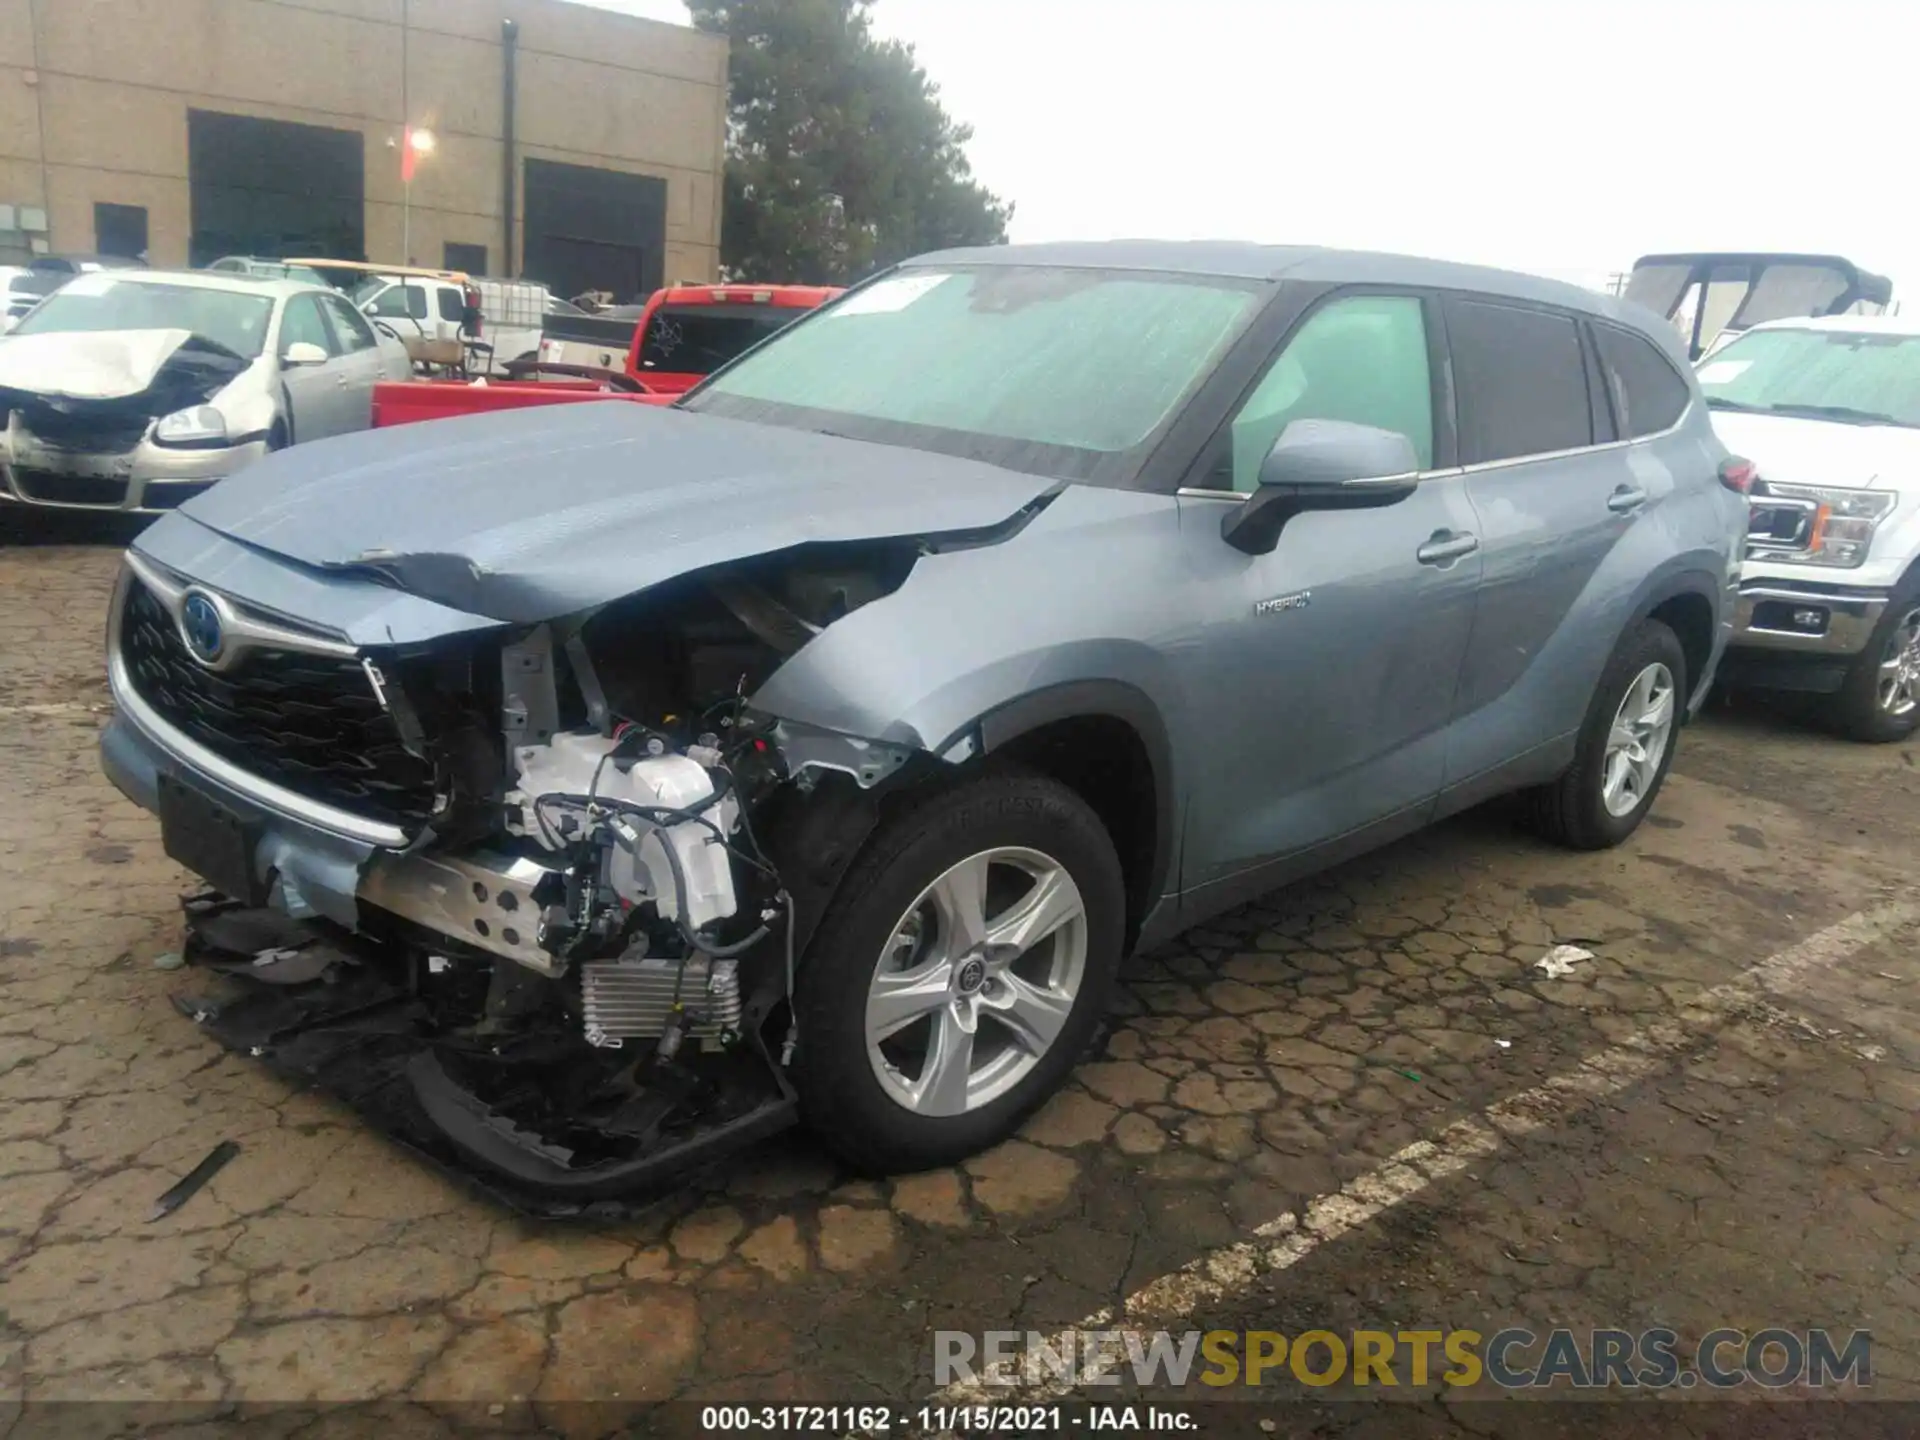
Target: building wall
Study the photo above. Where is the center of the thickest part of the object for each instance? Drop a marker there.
(94, 97)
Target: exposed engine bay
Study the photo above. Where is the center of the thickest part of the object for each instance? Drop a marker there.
(576, 980)
(99, 392)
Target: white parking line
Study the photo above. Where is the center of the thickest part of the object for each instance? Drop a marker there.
(63, 707)
(1231, 1270)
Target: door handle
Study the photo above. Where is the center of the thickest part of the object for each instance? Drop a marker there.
(1626, 498)
(1444, 546)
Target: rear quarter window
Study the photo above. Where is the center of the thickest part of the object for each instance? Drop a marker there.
(1521, 379)
(1648, 394)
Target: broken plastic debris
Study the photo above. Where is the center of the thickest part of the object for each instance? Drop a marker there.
(172, 960)
(194, 1180)
(1560, 960)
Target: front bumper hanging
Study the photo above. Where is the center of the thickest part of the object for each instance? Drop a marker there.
(322, 1008)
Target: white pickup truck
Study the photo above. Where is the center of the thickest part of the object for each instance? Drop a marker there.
(1828, 409)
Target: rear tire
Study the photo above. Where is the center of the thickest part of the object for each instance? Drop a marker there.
(891, 1094)
(1622, 756)
(1879, 701)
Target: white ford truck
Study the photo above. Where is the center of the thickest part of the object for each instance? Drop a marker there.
(1828, 409)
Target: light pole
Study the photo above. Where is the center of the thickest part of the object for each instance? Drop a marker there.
(414, 144)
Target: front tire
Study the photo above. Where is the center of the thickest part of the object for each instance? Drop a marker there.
(1625, 747)
(959, 973)
(1879, 702)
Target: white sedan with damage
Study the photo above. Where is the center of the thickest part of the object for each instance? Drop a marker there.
(133, 390)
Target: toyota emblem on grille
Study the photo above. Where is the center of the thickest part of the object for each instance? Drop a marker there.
(201, 628)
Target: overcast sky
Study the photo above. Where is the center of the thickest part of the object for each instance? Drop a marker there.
(1558, 136)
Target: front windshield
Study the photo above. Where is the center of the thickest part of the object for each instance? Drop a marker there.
(1866, 377)
(1053, 371)
(229, 319)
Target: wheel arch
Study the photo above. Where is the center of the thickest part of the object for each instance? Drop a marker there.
(1107, 741)
(1690, 603)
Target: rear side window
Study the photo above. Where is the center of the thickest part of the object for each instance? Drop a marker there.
(451, 306)
(1648, 396)
(1521, 381)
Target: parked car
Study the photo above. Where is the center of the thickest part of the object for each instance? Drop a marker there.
(831, 733)
(1829, 410)
(691, 329)
(20, 291)
(134, 389)
(1711, 296)
(266, 268)
(448, 319)
(27, 286)
(686, 332)
(589, 339)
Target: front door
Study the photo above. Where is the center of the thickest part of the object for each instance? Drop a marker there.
(316, 393)
(360, 362)
(1329, 664)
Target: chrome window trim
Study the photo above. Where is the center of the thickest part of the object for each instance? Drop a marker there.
(189, 752)
(245, 626)
(1196, 492)
(1482, 466)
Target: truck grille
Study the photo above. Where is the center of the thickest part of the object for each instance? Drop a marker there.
(309, 723)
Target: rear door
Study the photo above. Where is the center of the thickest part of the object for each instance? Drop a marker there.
(1555, 495)
(360, 363)
(1330, 662)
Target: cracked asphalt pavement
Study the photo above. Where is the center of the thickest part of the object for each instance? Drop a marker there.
(1760, 1171)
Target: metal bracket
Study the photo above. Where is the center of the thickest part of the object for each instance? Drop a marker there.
(807, 748)
(529, 698)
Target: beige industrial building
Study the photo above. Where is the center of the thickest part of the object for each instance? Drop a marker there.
(188, 129)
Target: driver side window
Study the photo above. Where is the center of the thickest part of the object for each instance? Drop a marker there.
(1362, 359)
(304, 324)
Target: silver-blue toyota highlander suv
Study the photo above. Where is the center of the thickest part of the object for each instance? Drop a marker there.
(587, 789)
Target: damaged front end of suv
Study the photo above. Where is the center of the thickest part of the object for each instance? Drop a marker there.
(521, 867)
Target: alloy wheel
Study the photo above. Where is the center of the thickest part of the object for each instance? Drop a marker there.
(976, 981)
(1637, 743)
(1899, 690)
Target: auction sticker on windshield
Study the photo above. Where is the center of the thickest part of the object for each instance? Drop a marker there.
(93, 282)
(886, 296)
(1719, 372)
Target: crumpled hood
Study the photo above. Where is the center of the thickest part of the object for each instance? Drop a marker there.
(530, 514)
(87, 364)
(1800, 450)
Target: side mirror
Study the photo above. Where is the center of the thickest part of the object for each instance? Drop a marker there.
(1322, 465)
(303, 352)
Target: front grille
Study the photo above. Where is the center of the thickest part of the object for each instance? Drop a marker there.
(88, 432)
(309, 723)
(58, 489)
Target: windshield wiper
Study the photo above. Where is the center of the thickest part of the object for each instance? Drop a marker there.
(1714, 402)
(1844, 413)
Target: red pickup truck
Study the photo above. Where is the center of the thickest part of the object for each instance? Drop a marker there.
(685, 333)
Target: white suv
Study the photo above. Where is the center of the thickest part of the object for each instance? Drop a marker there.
(1829, 411)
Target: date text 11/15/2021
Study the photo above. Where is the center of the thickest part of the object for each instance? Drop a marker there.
(841, 1420)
